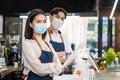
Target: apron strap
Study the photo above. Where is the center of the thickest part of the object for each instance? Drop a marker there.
(61, 38)
(39, 44)
(47, 44)
(50, 31)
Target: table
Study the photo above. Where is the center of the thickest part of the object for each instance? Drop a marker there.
(107, 75)
(103, 75)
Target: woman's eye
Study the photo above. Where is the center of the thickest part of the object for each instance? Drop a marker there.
(63, 19)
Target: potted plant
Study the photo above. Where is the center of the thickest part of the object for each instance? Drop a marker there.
(111, 59)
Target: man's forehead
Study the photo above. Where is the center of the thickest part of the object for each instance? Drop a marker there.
(61, 14)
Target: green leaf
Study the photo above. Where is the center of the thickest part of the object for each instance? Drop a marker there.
(111, 52)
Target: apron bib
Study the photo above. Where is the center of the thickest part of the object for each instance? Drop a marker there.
(45, 57)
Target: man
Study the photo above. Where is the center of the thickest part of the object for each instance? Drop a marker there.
(54, 36)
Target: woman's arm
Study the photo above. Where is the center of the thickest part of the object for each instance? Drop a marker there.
(32, 62)
(58, 68)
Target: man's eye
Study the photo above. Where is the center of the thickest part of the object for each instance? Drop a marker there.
(44, 21)
(57, 16)
(63, 19)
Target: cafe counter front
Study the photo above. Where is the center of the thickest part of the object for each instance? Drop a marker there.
(103, 75)
(10, 72)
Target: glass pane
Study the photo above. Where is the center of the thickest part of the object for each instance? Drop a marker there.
(104, 33)
(92, 32)
(113, 32)
(92, 36)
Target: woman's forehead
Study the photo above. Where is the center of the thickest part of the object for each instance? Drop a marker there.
(40, 17)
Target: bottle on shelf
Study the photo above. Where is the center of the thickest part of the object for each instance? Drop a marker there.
(15, 56)
(2, 57)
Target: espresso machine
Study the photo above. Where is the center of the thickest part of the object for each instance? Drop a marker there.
(14, 55)
(13, 34)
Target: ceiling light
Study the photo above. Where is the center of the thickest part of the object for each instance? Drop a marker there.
(113, 10)
(23, 16)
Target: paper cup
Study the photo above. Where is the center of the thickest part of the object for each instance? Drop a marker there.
(15, 64)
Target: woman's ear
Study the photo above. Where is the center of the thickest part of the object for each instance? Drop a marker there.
(30, 24)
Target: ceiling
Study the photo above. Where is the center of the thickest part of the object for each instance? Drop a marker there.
(72, 6)
(105, 7)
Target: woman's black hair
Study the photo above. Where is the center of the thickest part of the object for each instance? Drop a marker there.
(31, 16)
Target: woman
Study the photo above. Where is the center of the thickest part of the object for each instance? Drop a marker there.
(40, 61)
(54, 36)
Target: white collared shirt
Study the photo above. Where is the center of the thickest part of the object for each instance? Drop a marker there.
(57, 38)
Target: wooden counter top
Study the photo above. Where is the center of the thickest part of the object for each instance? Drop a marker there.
(107, 75)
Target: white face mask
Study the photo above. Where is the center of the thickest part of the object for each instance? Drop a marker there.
(40, 28)
(57, 23)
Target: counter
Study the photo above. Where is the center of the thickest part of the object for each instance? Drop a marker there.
(107, 75)
(103, 75)
(8, 70)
